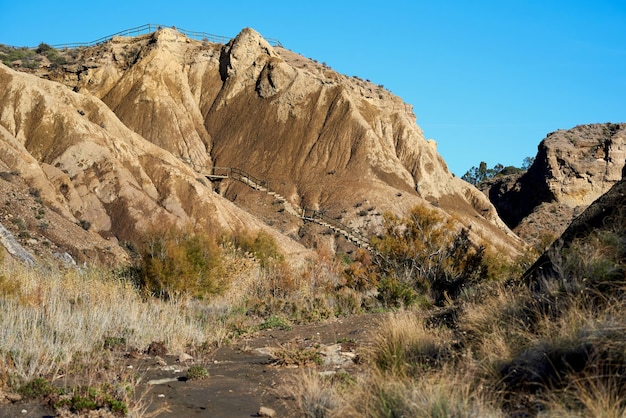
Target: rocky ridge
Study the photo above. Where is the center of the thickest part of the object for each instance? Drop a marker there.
(572, 169)
(104, 140)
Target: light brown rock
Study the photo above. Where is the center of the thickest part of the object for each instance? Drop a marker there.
(572, 169)
(13, 397)
(266, 412)
(112, 154)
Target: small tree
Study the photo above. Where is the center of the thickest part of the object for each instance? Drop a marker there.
(429, 253)
(178, 261)
(528, 161)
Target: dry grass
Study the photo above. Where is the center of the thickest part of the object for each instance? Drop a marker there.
(48, 317)
(405, 347)
(589, 396)
(558, 349)
(292, 354)
(56, 325)
(61, 325)
(408, 372)
(493, 324)
(314, 395)
(442, 394)
(554, 348)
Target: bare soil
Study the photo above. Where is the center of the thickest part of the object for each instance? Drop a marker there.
(243, 376)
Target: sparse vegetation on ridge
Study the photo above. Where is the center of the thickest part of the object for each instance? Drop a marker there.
(32, 59)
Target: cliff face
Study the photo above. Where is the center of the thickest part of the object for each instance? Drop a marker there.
(86, 165)
(111, 151)
(572, 169)
(604, 214)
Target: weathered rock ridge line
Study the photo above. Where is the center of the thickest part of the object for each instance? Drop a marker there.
(572, 169)
(109, 152)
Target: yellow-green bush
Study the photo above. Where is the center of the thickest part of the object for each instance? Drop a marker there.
(425, 253)
(181, 261)
(262, 245)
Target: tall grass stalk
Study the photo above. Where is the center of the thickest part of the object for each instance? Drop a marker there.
(314, 395)
(404, 346)
(589, 396)
(47, 317)
(447, 393)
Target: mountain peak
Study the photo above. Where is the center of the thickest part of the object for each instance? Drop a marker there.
(322, 140)
(246, 53)
(165, 34)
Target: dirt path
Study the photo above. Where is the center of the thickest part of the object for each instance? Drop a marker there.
(243, 376)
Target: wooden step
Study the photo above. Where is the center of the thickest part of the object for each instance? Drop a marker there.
(289, 208)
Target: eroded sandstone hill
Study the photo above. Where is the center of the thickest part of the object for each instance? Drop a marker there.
(572, 169)
(72, 152)
(121, 138)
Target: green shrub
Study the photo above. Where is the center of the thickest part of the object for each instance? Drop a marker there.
(82, 399)
(197, 372)
(263, 246)
(85, 224)
(428, 253)
(176, 262)
(43, 48)
(52, 54)
(38, 387)
(112, 343)
(393, 293)
(275, 322)
(19, 222)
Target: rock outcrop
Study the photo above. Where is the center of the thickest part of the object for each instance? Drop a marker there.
(14, 248)
(107, 141)
(92, 169)
(572, 169)
(605, 212)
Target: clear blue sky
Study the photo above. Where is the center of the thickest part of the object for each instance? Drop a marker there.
(487, 79)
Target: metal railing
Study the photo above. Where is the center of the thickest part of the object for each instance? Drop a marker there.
(250, 180)
(150, 28)
(214, 172)
(317, 216)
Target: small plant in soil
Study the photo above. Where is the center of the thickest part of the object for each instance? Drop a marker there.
(197, 372)
(112, 343)
(291, 354)
(38, 387)
(275, 322)
(80, 400)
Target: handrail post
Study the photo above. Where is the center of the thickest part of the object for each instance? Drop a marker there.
(150, 27)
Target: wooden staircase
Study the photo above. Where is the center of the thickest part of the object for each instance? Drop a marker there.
(307, 215)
